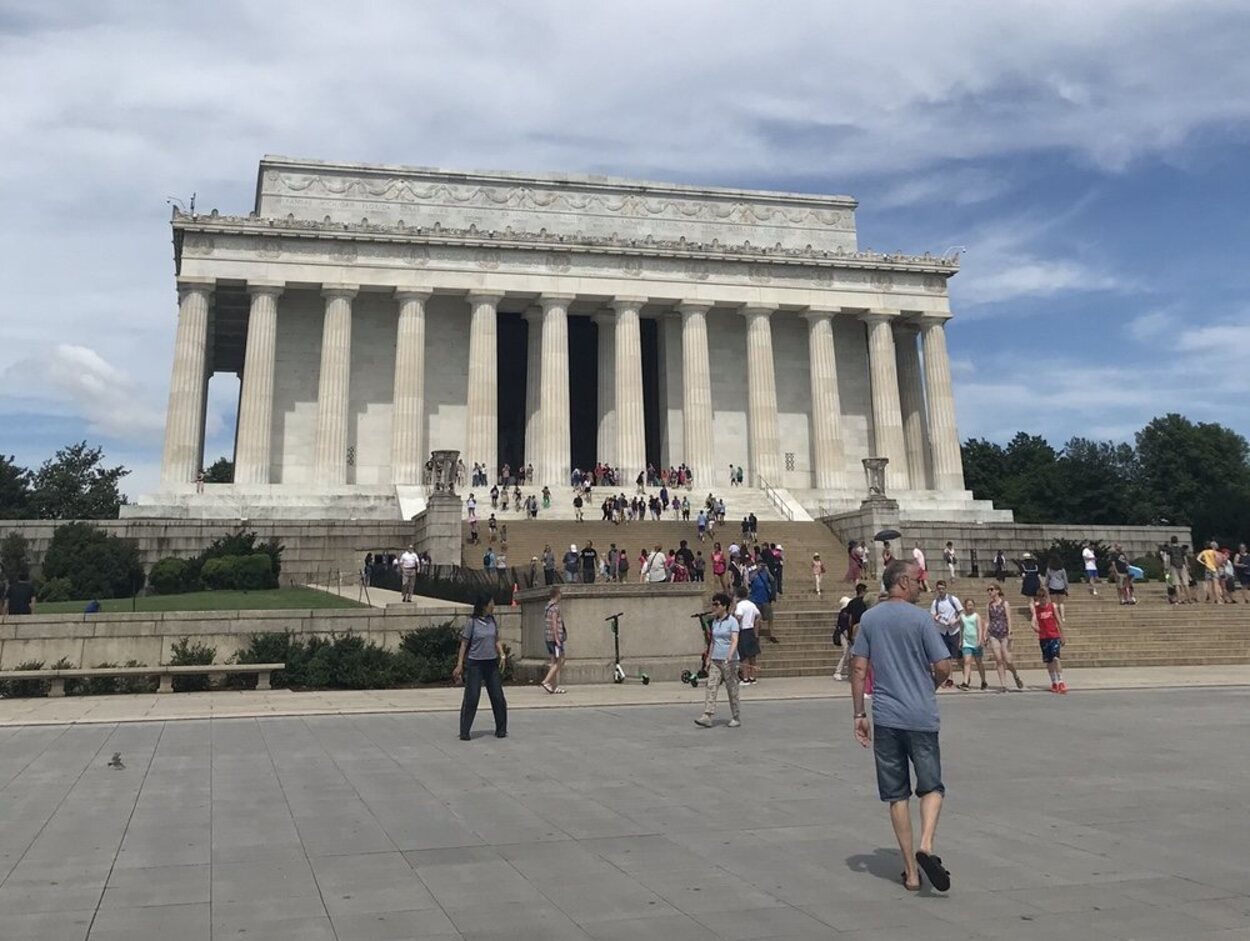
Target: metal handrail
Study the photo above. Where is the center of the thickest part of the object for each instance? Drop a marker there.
(774, 497)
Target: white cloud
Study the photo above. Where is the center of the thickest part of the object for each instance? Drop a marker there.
(77, 378)
(112, 106)
(1148, 326)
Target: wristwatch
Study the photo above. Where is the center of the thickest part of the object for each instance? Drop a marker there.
(861, 715)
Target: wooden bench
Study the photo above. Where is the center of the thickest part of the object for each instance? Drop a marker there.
(166, 674)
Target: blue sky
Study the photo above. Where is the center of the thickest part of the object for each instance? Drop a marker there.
(1088, 156)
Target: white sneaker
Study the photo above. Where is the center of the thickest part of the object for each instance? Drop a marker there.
(839, 677)
(734, 723)
(704, 720)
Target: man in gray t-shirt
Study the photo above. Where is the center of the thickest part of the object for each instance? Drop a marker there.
(909, 662)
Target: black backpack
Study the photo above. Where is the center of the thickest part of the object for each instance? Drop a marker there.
(843, 628)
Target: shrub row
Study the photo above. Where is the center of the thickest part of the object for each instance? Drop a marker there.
(342, 661)
(235, 561)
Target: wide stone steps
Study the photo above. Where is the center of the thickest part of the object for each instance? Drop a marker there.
(739, 502)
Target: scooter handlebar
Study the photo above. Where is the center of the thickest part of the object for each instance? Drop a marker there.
(702, 614)
(613, 617)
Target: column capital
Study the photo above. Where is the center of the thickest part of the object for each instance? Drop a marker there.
(755, 311)
(547, 301)
(187, 283)
(688, 308)
(413, 294)
(924, 321)
(533, 314)
(604, 317)
(260, 286)
(332, 291)
(817, 314)
(623, 302)
(484, 297)
(878, 315)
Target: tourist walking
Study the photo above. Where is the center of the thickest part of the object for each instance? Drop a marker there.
(1213, 588)
(761, 591)
(1049, 631)
(1031, 579)
(1090, 560)
(19, 597)
(590, 562)
(818, 571)
(917, 555)
(480, 661)
(557, 636)
(951, 560)
(655, 568)
(945, 611)
(748, 616)
(1123, 577)
(998, 637)
(973, 640)
(722, 662)
(719, 565)
(1057, 583)
(854, 563)
(408, 563)
(1000, 566)
(570, 560)
(1178, 570)
(909, 661)
(549, 565)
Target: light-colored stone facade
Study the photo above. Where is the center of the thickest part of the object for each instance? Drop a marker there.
(355, 287)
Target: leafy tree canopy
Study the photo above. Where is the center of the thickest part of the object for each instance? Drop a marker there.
(75, 484)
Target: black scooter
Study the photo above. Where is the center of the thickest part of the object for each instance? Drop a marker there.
(701, 674)
(618, 673)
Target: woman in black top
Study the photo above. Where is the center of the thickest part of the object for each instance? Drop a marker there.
(481, 647)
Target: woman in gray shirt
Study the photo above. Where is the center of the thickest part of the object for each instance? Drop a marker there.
(481, 646)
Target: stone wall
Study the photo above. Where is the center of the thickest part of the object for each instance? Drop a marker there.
(312, 548)
(1012, 538)
(657, 634)
(89, 639)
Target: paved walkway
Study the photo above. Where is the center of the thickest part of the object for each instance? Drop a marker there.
(235, 704)
(1116, 815)
(384, 597)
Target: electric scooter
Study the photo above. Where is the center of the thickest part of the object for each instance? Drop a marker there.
(701, 674)
(618, 672)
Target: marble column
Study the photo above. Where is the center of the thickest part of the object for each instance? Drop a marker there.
(334, 386)
(554, 450)
(911, 401)
(408, 448)
(887, 412)
(948, 468)
(696, 395)
(605, 393)
(254, 432)
(533, 381)
(828, 455)
(184, 419)
(631, 430)
(762, 434)
(481, 439)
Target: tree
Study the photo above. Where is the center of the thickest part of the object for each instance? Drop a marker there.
(220, 472)
(985, 468)
(14, 490)
(1184, 465)
(1100, 483)
(97, 564)
(75, 484)
(14, 556)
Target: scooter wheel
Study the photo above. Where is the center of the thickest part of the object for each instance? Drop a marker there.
(646, 680)
(694, 681)
(686, 676)
(618, 679)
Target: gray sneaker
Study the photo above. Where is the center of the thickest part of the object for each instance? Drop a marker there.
(704, 720)
(734, 723)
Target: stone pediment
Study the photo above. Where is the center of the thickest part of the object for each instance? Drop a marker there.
(560, 205)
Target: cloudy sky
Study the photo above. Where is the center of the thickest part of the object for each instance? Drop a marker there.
(1087, 155)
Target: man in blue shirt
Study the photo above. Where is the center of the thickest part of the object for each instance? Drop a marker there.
(762, 593)
(909, 662)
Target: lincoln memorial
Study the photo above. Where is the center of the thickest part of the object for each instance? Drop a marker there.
(374, 313)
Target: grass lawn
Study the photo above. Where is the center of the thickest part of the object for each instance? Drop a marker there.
(276, 598)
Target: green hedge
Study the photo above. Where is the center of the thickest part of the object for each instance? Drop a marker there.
(97, 564)
(239, 573)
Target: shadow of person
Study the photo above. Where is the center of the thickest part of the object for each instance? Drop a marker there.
(884, 863)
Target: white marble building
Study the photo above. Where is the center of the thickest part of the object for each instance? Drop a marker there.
(374, 313)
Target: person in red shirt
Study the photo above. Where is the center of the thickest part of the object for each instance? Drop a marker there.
(1049, 631)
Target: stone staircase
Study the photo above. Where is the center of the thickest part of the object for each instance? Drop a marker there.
(527, 538)
(1100, 633)
(739, 501)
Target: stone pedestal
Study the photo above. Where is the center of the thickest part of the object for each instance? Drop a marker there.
(658, 636)
(437, 529)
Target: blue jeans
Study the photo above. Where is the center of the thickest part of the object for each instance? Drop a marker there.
(892, 749)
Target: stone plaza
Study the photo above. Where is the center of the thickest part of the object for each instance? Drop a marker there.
(376, 313)
(1096, 816)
